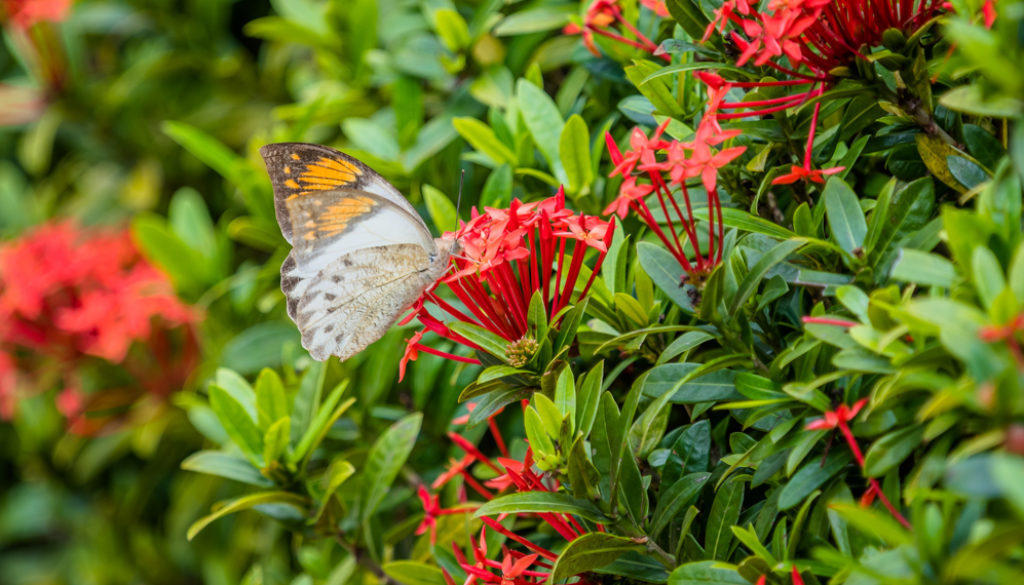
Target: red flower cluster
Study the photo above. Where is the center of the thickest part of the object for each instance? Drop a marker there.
(683, 160)
(67, 294)
(817, 35)
(507, 256)
(603, 15)
(25, 13)
(516, 567)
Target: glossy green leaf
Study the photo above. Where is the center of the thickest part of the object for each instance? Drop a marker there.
(244, 503)
(676, 498)
(923, 268)
(225, 465)
(482, 138)
(725, 513)
(845, 218)
(440, 208)
(538, 502)
(236, 421)
(891, 450)
(666, 273)
(590, 551)
(574, 151)
(810, 477)
(385, 459)
(706, 573)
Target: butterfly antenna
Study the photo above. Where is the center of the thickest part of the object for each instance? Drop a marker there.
(458, 200)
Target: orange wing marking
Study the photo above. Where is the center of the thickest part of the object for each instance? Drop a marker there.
(335, 219)
(328, 173)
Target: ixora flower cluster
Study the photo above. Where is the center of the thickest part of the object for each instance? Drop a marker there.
(508, 256)
(71, 298)
(511, 475)
(683, 160)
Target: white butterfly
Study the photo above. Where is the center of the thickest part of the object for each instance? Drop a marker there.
(360, 252)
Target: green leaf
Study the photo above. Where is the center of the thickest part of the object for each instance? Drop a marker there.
(891, 450)
(766, 262)
(688, 388)
(491, 343)
(440, 208)
(589, 552)
(207, 149)
(328, 412)
(1008, 473)
(967, 172)
(191, 221)
(225, 465)
(666, 273)
(657, 89)
(481, 137)
(236, 422)
(498, 188)
(452, 29)
(874, 522)
(246, 502)
(275, 440)
(338, 473)
(307, 400)
(271, 400)
(706, 573)
(539, 502)
(414, 573)
(259, 346)
(725, 513)
(675, 498)
(935, 153)
(574, 151)
(161, 246)
(810, 477)
(385, 459)
(544, 121)
(987, 275)
(540, 19)
(845, 218)
(923, 268)
(689, 16)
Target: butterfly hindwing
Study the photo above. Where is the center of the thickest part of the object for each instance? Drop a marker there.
(299, 170)
(354, 299)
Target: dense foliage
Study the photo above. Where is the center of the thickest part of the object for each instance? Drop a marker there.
(740, 297)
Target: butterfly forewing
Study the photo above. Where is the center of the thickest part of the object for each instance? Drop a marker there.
(299, 170)
(332, 223)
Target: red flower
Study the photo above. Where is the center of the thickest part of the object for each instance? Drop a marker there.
(507, 256)
(67, 294)
(683, 160)
(798, 173)
(602, 15)
(25, 13)
(839, 419)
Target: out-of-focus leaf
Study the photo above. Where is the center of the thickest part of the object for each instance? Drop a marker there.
(225, 465)
(385, 460)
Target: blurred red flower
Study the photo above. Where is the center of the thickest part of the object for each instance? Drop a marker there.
(25, 13)
(68, 295)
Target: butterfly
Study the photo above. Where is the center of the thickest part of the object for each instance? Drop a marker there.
(361, 254)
